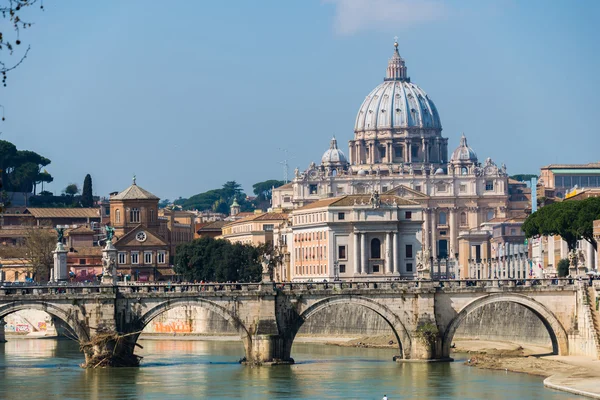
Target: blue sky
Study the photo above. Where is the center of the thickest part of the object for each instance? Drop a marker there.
(188, 95)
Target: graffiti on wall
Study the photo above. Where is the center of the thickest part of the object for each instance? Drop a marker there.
(172, 327)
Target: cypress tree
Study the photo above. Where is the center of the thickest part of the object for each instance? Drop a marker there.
(87, 198)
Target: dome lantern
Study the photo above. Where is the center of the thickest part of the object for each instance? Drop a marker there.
(396, 70)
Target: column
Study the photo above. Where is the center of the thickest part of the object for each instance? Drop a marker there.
(426, 228)
(433, 234)
(407, 152)
(356, 253)
(589, 257)
(395, 250)
(364, 253)
(388, 268)
(453, 233)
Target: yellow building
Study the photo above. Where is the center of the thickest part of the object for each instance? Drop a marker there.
(255, 229)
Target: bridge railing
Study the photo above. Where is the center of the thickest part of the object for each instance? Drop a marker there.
(190, 287)
(40, 290)
(483, 283)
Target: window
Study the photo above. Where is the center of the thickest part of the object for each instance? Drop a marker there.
(287, 199)
(408, 215)
(107, 210)
(414, 151)
(151, 215)
(398, 152)
(443, 219)
(409, 267)
(384, 189)
(489, 185)
(375, 268)
(147, 257)
(463, 219)
(134, 215)
(122, 257)
(418, 188)
(342, 268)
(382, 152)
(341, 216)
(135, 257)
(312, 189)
(268, 227)
(462, 188)
(443, 233)
(375, 248)
(409, 252)
(117, 215)
(341, 252)
(490, 214)
(82, 261)
(513, 232)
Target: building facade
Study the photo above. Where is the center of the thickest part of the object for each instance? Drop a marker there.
(397, 143)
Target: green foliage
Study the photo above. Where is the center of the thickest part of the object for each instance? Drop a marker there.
(163, 203)
(71, 189)
(572, 220)
(263, 189)
(87, 198)
(523, 177)
(22, 169)
(216, 260)
(562, 268)
(217, 200)
(428, 333)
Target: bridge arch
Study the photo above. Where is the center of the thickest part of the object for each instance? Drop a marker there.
(558, 334)
(197, 302)
(400, 332)
(67, 317)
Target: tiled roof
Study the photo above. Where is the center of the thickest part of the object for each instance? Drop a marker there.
(286, 186)
(64, 212)
(212, 226)
(86, 251)
(19, 231)
(83, 229)
(560, 166)
(260, 217)
(134, 192)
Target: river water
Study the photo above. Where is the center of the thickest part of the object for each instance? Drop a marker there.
(46, 368)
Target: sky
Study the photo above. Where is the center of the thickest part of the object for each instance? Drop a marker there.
(188, 95)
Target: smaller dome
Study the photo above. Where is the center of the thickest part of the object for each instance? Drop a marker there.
(333, 155)
(463, 152)
(361, 172)
(439, 171)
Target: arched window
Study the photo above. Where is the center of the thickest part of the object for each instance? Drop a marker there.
(134, 215)
(463, 219)
(464, 171)
(117, 215)
(375, 248)
(151, 215)
(490, 215)
(442, 220)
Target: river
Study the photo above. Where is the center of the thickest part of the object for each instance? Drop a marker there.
(47, 368)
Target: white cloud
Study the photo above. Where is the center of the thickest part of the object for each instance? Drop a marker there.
(352, 16)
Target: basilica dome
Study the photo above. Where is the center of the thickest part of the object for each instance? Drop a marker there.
(397, 103)
(333, 155)
(463, 152)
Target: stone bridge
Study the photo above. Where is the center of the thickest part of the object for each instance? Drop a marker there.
(423, 315)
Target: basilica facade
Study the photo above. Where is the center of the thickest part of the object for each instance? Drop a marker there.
(398, 150)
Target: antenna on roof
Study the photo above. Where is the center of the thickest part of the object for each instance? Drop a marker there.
(286, 165)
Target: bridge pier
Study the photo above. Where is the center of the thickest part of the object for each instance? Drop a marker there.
(109, 349)
(2, 333)
(268, 350)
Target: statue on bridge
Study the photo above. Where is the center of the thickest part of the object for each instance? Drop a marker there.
(424, 264)
(110, 232)
(61, 233)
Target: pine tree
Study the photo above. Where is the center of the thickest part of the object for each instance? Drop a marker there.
(87, 198)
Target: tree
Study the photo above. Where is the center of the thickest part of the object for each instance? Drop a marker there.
(22, 169)
(163, 203)
(562, 268)
(12, 10)
(71, 189)
(572, 220)
(36, 249)
(523, 177)
(216, 260)
(263, 190)
(217, 200)
(87, 198)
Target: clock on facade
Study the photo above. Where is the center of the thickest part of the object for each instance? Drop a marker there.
(141, 236)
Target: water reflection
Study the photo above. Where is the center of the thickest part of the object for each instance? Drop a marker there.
(203, 369)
